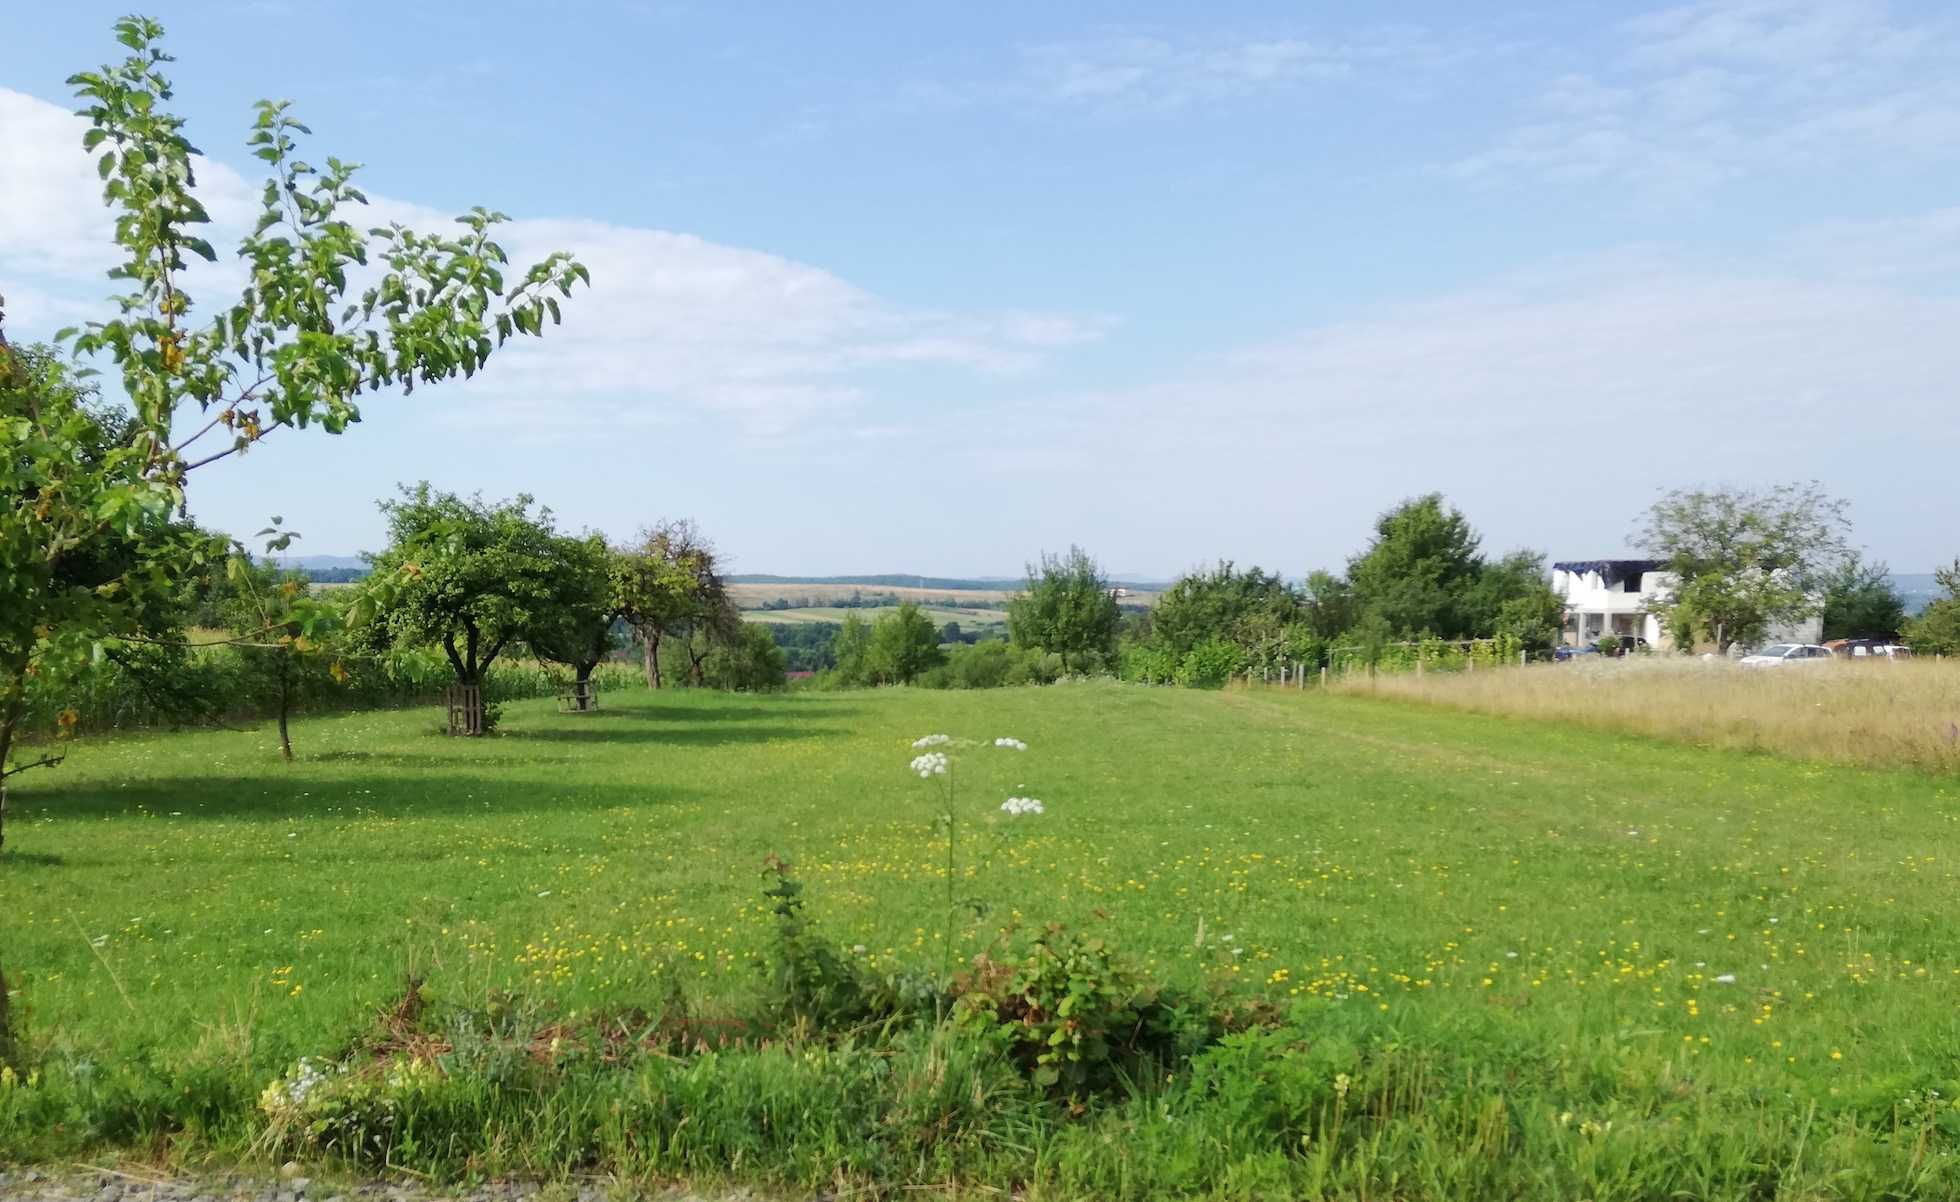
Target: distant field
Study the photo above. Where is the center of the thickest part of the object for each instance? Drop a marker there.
(939, 614)
(753, 596)
(810, 597)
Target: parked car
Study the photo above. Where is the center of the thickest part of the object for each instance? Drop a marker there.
(1628, 643)
(1869, 649)
(1776, 655)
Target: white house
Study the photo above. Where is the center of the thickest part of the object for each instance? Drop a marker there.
(1618, 597)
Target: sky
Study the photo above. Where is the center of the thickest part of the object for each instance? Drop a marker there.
(934, 288)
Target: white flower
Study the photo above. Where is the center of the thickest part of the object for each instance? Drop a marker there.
(931, 764)
(1727, 978)
(1013, 744)
(931, 741)
(1022, 805)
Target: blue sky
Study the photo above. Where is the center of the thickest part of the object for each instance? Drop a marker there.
(932, 288)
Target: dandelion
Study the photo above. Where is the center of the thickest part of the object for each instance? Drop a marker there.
(929, 765)
(1017, 806)
(931, 741)
(1011, 744)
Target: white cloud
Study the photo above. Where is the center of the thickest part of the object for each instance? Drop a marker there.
(1712, 91)
(1550, 404)
(673, 325)
(1151, 71)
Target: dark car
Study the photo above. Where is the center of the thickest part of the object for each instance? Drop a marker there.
(1628, 642)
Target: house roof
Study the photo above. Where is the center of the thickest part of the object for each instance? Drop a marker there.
(1614, 568)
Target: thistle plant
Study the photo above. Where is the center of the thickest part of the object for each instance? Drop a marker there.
(937, 763)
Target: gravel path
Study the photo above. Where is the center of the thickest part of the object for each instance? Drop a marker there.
(28, 1185)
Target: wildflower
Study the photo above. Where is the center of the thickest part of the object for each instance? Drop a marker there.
(931, 741)
(1341, 1083)
(1011, 744)
(931, 764)
(1022, 805)
(1727, 978)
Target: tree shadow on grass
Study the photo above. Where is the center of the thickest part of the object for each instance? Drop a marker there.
(295, 793)
(693, 736)
(28, 859)
(657, 712)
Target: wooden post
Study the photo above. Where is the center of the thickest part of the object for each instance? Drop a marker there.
(1323, 676)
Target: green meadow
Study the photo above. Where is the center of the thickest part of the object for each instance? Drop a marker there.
(1491, 957)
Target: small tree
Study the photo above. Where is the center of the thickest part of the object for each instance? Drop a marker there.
(1067, 608)
(850, 649)
(1745, 559)
(902, 646)
(474, 578)
(670, 583)
(1861, 602)
(750, 662)
(580, 636)
(278, 627)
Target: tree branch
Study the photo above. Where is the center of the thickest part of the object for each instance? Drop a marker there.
(46, 761)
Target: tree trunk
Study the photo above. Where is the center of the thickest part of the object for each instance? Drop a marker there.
(285, 703)
(580, 689)
(650, 643)
(8, 1047)
(7, 723)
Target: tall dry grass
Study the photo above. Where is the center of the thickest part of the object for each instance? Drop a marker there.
(1878, 713)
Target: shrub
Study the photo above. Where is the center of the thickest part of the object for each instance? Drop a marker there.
(1609, 644)
(1209, 664)
(1148, 663)
(1074, 1015)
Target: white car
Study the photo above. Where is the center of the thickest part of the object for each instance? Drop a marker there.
(1777, 655)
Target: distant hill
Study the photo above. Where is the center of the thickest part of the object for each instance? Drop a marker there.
(1916, 588)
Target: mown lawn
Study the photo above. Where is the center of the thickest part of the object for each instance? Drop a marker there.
(1632, 949)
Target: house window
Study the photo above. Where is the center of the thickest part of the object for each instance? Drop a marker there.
(1630, 584)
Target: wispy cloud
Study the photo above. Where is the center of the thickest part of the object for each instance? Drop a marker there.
(1704, 93)
(674, 325)
(1147, 70)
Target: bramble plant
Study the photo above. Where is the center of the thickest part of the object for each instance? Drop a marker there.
(296, 347)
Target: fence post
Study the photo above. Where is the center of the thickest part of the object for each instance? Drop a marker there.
(1323, 676)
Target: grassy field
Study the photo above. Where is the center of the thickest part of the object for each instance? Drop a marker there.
(1876, 712)
(1516, 960)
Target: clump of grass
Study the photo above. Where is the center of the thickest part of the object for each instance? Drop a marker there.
(1884, 713)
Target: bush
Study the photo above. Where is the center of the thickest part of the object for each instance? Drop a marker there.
(750, 663)
(1076, 1017)
(1148, 663)
(1209, 664)
(1609, 644)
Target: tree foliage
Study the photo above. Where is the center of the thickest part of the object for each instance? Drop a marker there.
(1745, 559)
(1067, 608)
(1419, 570)
(580, 635)
(1861, 602)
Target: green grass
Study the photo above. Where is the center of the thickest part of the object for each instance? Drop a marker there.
(1511, 937)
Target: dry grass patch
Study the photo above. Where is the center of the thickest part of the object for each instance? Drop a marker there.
(1886, 713)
